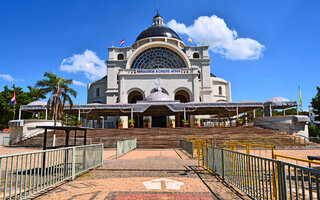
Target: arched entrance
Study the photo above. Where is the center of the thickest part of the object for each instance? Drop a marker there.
(183, 96)
(135, 96)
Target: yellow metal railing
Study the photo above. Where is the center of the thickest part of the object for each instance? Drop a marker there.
(279, 141)
(275, 156)
(233, 146)
(202, 146)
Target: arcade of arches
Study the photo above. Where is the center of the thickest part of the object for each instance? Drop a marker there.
(157, 121)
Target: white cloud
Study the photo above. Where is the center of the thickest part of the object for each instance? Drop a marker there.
(88, 62)
(213, 31)
(9, 78)
(79, 83)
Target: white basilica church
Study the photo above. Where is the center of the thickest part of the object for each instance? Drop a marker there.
(159, 80)
(159, 53)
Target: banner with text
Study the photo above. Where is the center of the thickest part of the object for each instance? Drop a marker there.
(155, 71)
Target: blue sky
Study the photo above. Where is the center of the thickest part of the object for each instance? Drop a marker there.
(36, 36)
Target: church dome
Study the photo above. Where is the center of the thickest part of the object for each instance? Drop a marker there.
(158, 96)
(37, 103)
(158, 30)
(277, 100)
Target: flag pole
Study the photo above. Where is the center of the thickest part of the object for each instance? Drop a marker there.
(14, 111)
(299, 100)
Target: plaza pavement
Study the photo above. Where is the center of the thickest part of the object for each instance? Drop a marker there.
(148, 174)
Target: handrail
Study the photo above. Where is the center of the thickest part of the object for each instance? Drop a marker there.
(26, 174)
(294, 158)
(263, 178)
(48, 150)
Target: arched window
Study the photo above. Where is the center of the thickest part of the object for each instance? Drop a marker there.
(135, 96)
(120, 56)
(157, 58)
(220, 90)
(183, 96)
(196, 55)
(98, 92)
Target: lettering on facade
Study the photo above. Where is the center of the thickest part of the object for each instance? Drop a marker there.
(155, 71)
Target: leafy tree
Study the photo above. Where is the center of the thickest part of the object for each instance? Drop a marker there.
(60, 94)
(314, 131)
(316, 106)
(8, 112)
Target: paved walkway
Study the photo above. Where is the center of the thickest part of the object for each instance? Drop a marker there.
(148, 174)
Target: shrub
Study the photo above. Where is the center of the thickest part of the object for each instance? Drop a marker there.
(131, 121)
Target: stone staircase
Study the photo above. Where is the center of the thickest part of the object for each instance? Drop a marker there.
(164, 137)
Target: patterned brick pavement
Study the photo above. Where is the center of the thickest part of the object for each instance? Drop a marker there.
(145, 174)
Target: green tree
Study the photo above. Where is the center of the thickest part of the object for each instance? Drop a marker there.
(314, 131)
(60, 93)
(8, 112)
(316, 106)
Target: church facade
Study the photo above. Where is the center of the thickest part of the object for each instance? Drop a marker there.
(158, 53)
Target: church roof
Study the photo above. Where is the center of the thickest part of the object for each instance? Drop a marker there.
(158, 30)
(37, 103)
(277, 100)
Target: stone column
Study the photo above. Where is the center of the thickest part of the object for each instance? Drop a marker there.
(191, 122)
(173, 118)
(124, 121)
(177, 120)
(147, 121)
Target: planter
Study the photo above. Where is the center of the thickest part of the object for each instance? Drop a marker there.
(238, 124)
(146, 125)
(120, 126)
(197, 125)
(131, 125)
(171, 125)
(185, 125)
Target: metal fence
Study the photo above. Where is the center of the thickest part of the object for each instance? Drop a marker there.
(125, 146)
(263, 178)
(187, 146)
(25, 174)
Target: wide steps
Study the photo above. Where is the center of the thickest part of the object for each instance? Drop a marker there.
(162, 137)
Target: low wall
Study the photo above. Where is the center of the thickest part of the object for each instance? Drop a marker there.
(293, 124)
(3, 135)
(24, 129)
(60, 141)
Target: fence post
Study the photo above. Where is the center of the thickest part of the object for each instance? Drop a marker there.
(282, 184)
(222, 163)
(102, 149)
(73, 173)
(192, 149)
(207, 149)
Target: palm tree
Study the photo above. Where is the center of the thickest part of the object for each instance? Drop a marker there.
(59, 91)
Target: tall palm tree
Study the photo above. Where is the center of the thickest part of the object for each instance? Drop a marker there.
(58, 88)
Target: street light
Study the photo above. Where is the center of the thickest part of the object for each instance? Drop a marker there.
(102, 117)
